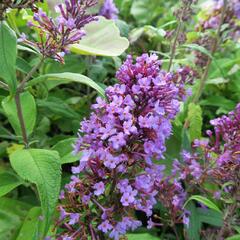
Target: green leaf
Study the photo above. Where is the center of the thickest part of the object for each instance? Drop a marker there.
(43, 168)
(203, 50)
(123, 27)
(217, 81)
(102, 39)
(29, 112)
(64, 78)
(12, 213)
(72, 63)
(218, 101)
(237, 228)
(23, 65)
(141, 236)
(223, 66)
(58, 107)
(192, 36)
(193, 230)
(195, 121)
(8, 55)
(235, 237)
(186, 143)
(135, 34)
(145, 11)
(28, 49)
(65, 149)
(199, 48)
(204, 201)
(31, 225)
(210, 216)
(8, 181)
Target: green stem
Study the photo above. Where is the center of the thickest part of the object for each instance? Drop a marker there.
(29, 75)
(226, 220)
(18, 101)
(209, 62)
(174, 46)
(4, 85)
(213, 50)
(21, 119)
(179, 27)
(175, 231)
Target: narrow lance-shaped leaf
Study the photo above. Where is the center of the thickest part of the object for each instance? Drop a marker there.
(63, 78)
(193, 230)
(141, 236)
(8, 55)
(204, 201)
(235, 237)
(195, 121)
(199, 48)
(210, 216)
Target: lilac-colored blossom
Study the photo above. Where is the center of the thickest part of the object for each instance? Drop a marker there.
(105, 226)
(211, 18)
(57, 34)
(74, 218)
(99, 188)
(119, 140)
(109, 10)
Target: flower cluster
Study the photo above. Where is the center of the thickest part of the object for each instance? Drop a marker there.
(184, 12)
(211, 18)
(226, 132)
(57, 34)
(172, 191)
(207, 41)
(126, 131)
(109, 10)
(190, 168)
(215, 160)
(172, 196)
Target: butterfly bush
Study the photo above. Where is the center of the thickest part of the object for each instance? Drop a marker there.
(223, 19)
(57, 34)
(214, 160)
(217, 157)
(109, 10)
(117, 175)
(211, 18)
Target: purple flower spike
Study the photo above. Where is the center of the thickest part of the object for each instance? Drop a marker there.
(57, 34)
(109, 10)
(119, 140)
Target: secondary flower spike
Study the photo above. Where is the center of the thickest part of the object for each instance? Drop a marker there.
(109, 10)
(210, 17)
(57, 34)
(215, 160)
(119, 140)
